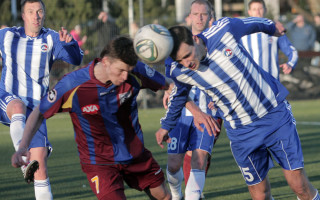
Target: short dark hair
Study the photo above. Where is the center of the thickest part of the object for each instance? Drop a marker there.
(257, 1)
(209, 5)
(121, 47)
(23, 2)
(180, 34)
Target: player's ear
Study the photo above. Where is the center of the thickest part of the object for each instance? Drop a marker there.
(105, 60)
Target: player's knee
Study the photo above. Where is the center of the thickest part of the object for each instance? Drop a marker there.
(173, 168)
(174, 164)
(199, 163)
(16, 107)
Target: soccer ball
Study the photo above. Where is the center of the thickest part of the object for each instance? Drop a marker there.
(153, 43)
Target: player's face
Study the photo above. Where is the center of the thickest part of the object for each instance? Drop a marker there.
(199, 17)
(33, 16)
(117, 71)
(187, 56)
(256, 10)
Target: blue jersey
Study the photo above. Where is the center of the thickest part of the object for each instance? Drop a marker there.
(241, 91)
(200, 98)
(264, 49)
(27, 61)
(104, 116)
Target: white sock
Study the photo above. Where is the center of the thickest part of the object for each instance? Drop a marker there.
(42, 189)
(316, 197)
(195, 184)
(174, 181)
(18, 122)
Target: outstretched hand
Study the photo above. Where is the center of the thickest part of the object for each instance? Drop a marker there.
(16, 159)
(64, 35)
(162, 136)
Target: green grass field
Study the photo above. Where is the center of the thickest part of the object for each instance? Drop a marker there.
(224, 181)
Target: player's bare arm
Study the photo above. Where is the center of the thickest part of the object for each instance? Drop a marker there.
(33, 123)
(162, 135)
(64, 35)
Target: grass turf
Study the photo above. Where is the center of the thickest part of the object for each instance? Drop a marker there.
(223, 182)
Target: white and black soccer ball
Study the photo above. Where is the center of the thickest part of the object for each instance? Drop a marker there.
(153, 43)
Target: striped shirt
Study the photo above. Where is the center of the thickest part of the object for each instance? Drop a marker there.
(265, 50)
(199, 97)
(240, 89)
(27, 61)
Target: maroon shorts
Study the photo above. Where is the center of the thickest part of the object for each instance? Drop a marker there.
(106, 181)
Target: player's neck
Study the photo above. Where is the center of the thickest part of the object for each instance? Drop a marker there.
(196, 32)
(100, 73)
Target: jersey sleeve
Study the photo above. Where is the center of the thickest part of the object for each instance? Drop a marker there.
(69, 52)
(247, 26)
(59, 99)
(289, 50)
(235, 28)
(149, 77)
(177, 100)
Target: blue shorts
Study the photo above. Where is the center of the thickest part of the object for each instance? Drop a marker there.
(186, 137)
(40, 139)
(274, 135)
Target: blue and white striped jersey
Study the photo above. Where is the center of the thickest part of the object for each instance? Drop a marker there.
(27, 61)
(199, 97)
(240, 89)
(265, 49)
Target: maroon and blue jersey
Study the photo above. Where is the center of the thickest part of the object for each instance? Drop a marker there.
(104, 116)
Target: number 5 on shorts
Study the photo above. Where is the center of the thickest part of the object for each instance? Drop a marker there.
(95, 180)
(246, 174)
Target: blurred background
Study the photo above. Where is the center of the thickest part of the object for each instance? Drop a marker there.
(94, 22)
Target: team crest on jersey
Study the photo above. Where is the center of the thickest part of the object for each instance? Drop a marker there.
(270, 40)
(90, 109)
(44, 47)
(124, 96)
(150, 71)
(52, 95)
(228, 52)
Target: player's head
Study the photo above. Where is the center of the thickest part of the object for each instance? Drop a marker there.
(23, 2)
(257, 8)
(200, 14)
(33, 15)
(119, 58)
(188, 50)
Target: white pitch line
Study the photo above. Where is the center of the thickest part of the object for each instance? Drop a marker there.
(309, 123)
